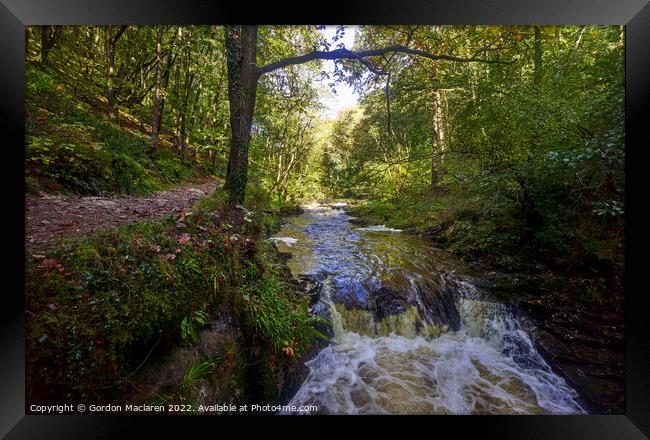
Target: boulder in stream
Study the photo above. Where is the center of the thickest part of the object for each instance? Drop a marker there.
(440, 302)
(390, 301)
(311, 285)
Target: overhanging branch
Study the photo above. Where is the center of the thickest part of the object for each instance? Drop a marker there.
(361, 56)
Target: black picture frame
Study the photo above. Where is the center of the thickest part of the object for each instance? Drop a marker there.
(15, 14)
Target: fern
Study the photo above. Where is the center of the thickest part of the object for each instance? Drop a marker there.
(189, 325)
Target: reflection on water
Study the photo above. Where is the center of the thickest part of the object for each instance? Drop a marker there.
(411, 333)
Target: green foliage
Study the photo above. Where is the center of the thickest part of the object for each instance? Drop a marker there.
(530, 170)
(73, 88)
(197, 371)
(284, 322)
(285, 136)
(80, 151)
(191, 322)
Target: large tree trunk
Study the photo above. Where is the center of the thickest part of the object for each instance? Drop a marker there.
(437, 145)
(241, 48)
(157, 108)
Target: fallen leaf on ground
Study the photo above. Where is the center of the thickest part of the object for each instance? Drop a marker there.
(49, 263)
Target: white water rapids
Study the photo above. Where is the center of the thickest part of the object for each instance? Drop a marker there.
(404, 363)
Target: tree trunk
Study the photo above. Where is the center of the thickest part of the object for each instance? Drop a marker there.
(49, 35)
(189, 80)
(216, 119)
(112, 35)
(45, 33)
(438, 137)
(177, 97)
(195, 105)
(89, 54)
(157, 109)
(241, 48)
(110, 74)
(163, 87)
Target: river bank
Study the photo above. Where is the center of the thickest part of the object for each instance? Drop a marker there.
(192, 308)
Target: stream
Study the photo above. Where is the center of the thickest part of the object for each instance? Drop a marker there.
(411, 332)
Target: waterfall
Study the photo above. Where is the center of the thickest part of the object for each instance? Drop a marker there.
(410, 335)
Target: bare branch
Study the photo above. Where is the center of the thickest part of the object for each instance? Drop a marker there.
(361, 56)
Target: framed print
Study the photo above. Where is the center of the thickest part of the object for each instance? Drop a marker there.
(361, 210)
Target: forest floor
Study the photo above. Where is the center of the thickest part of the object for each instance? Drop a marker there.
(49, 217)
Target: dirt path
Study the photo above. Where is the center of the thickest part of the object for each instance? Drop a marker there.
(52, 216)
